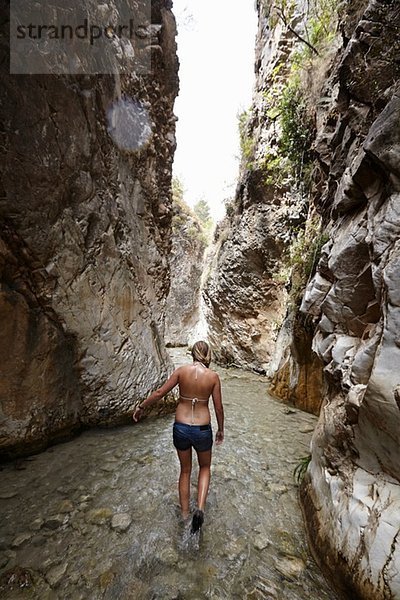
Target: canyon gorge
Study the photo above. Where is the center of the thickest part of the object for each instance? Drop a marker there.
(101, 268)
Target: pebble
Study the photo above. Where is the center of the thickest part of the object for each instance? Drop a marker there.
(8, 495)
(66, 506)
(37, 524)
(291, 567)
(121, 522)
(38, 540)
(105, 579)
(55, 574)
(84, 498)
(99, 516)
(20, 539)
(307, 429)
(261, 541)
(169, 556)
(3, 560)
(54, 522)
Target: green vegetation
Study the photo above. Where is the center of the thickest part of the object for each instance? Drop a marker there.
(197, 222)
(289, 102)
(297, 127)
(304, 254)
(247, 142)
(301, 469)
(320, 28)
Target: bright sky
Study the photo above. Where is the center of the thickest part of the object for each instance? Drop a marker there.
(216, 40)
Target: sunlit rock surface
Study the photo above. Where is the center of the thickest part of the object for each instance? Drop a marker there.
(187, 263)
(85, 235)
(245, 299)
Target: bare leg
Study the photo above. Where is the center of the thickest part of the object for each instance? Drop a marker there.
(185, 458)
(204, 459)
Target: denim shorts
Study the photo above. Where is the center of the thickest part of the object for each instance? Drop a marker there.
(199, 436)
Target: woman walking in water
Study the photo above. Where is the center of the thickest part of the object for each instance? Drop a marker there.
(192, 427)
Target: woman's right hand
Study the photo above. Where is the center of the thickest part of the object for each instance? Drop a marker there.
(219, 437)
(138, 412)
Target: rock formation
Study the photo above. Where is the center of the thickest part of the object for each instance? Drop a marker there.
(85, 236)
(186, 262)
(339, 343)
(351, 496)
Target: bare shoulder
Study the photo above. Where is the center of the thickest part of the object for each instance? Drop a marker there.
(215, 377)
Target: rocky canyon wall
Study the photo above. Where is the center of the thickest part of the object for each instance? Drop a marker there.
(187, 263)
(318, 238)
(84, 243)
(351, 496)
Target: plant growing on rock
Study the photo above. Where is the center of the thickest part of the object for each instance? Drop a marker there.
(247, 142)
(304, 254)
(301, 469)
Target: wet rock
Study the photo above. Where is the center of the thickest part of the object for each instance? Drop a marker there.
(55, 574)
(85, 498)
(106, 579)
(4, 559)
(8, 495)
(99, 516)
(38, 540)
(37, 524)
(306, 429)
(54, 521)
(121, 522)
(21, 539)
(291, 567)
(262, 541)
(66, 507)
(169, 556)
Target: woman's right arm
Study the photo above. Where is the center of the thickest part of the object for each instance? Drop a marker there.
(219, 410)
(158, 394)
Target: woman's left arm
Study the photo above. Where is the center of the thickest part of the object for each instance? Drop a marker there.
(157, 395)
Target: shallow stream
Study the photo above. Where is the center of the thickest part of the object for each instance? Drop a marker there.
(98, 517)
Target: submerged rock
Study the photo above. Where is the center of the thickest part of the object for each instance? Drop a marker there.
(121, 522)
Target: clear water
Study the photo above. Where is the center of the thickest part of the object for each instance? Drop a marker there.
(57, 509)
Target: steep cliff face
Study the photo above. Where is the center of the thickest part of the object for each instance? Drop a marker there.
(85, 234)
(187, 263)
(245, 297)
(339, 343)
(351, 496)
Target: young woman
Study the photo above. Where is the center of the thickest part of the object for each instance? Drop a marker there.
(192, 427)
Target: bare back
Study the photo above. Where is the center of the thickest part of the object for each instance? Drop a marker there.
(196, 384)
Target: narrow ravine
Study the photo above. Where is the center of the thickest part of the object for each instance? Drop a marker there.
(61, 536)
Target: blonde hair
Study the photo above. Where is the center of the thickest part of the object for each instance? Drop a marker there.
(201, 353)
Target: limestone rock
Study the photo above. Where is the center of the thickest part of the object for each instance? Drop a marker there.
(85, 237)
(339, 353)
(55, 574)
(99, 516)
(186, 262)
(291, 567)
(121, 522)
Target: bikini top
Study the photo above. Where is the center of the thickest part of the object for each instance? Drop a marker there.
(194, 400)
